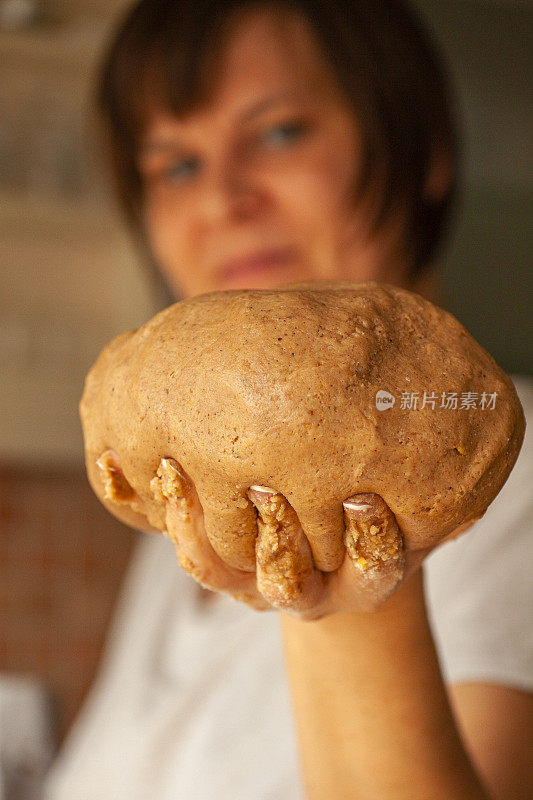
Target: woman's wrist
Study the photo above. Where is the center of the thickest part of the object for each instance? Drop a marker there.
(371, 709)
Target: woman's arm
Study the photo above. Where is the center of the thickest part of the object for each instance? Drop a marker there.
(372, 714)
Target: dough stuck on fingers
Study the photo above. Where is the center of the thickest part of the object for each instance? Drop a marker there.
(184, 526)
(116, 487)
(327, 391)
(169, 484)
(375, 555)
(286, 576)
(372, 536)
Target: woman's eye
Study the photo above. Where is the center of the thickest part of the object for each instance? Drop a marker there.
(178, 171)
(275, 136)
(282, 134)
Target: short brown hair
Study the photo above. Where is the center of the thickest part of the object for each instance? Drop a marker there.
(385, 62)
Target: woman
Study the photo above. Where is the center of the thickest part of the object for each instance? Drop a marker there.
(254, 144)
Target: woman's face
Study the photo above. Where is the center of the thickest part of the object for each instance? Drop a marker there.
(254, 188)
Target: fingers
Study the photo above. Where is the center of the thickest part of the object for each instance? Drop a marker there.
(116, 493)
(286, 575)
(374, 565)
(116, 487)
(372, 537)
(260, 550)
(185, 526)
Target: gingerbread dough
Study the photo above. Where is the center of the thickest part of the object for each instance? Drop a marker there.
(278, 388)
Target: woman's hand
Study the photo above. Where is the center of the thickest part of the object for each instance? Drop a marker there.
(374, 565)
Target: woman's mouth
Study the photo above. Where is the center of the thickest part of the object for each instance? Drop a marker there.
(255, 266)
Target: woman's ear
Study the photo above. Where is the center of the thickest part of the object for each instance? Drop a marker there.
(440, 174)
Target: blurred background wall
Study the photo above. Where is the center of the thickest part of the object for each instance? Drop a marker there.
(487, 270)
(70, 281)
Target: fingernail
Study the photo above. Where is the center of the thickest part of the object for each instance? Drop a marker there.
(353, 505)
(259, 494)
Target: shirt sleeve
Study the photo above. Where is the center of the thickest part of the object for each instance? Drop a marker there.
(479, 588)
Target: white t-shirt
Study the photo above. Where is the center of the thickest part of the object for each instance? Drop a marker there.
(192, 700)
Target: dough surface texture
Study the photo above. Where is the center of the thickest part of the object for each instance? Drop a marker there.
(277, 388)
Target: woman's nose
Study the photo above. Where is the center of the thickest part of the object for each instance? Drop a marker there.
(231, 193)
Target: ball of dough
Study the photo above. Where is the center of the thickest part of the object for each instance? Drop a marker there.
(319, 390)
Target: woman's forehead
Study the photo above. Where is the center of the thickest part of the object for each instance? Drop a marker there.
(268, 41)
(264, 59)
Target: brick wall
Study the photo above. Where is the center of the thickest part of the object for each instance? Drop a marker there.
(62, 558)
